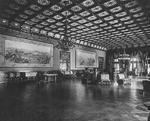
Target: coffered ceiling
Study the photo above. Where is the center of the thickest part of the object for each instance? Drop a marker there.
(102, 24)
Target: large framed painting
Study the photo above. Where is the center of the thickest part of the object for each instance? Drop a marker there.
(85, 59)
(28, 54)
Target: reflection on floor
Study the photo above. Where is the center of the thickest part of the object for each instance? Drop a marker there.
(72, 101)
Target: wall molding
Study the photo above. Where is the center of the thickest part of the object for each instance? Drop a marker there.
(20, 34)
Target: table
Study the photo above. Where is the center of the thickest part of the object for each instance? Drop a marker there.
(30, 75)
(50, 77)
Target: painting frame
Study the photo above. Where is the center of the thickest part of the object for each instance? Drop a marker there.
(43, 54)
(85, 61)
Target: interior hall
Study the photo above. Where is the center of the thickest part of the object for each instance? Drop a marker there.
(74, 60)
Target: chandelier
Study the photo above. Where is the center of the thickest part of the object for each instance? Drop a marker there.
(124, 56)
(65, 43)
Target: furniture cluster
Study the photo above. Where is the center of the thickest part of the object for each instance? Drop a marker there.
(39, 76)
(93, 76)
(104, 80)
(121, 79)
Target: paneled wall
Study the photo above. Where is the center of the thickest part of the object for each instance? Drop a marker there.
(56, 58)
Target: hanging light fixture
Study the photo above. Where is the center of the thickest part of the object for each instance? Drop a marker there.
(124, 56)
(65, 43)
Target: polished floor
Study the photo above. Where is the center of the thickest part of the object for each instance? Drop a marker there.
(72, 101)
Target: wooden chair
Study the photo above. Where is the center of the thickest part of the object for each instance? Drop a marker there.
(122, 79)
(105, 80)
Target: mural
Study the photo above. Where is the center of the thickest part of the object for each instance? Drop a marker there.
(85, 59)
(23, 54)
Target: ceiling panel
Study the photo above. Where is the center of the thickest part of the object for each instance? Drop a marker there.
(106, 24)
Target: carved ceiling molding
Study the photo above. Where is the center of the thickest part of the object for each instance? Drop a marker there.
(14, 33)
(100, 24)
